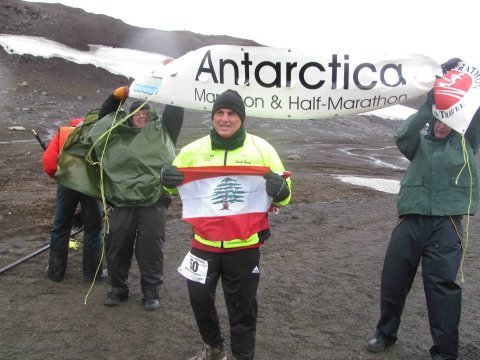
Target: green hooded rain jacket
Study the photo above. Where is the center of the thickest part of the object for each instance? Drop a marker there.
(438, 181)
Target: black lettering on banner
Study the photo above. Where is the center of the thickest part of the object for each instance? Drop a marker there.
(472, 70)
(290, 67)
(246, 62)
(208, 69)
(346, 70)
(398, 69)
(256, 102)
(276, 102)
(356, 73)
(287, 69)
(375, 102)
(203, 96)
(302, 75)
(222, 67)
(334, 65)
(278, 74)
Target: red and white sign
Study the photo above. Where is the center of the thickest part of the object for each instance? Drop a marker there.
(451, 89)
(457, 97)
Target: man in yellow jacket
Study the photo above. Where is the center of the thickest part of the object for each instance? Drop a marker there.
(234, 260)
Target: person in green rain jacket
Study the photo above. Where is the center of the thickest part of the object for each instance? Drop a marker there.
(118, 158)
(439, 187)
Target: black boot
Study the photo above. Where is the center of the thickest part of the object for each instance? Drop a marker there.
(57, 264)
(115, 296)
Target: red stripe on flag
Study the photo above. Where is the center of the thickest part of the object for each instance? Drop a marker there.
(205, 172)
(229, 227)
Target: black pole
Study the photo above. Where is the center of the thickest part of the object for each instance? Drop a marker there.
(42, 249)
(24, 258)
(42, 144)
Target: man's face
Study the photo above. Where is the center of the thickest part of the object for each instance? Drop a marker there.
(226, 122)
(441, 130)
(140, 119)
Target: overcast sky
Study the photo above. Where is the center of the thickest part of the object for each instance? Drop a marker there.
(436, 28)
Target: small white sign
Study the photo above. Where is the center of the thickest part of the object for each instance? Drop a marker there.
(194, 268)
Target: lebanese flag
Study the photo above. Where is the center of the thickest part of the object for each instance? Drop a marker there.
(225, 202)
(457, 97)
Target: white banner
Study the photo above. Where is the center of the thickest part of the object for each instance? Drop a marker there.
(289, 83)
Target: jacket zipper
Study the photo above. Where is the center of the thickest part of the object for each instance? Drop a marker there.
(225, 164)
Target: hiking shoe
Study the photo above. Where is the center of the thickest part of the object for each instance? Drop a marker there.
(152, 304)
(376, 345)
(211, 353)
(54, 278)
(114, 298)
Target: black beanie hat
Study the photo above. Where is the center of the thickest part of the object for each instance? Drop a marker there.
(136, 104)
(232, 100)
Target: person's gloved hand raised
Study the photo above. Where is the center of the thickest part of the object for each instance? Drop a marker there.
(276, 186)
(446, 67)
(430, 98)
(121, 93)
(170, 176)
(450, 64)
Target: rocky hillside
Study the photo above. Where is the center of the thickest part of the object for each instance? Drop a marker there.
(77, 28)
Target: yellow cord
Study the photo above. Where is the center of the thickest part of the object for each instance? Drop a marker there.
(106, 226)
(467, 164)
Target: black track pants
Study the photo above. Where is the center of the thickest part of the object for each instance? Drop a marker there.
(239, 271)
(139, 229)
(435, 241)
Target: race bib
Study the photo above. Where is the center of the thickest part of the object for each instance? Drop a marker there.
(194, 268)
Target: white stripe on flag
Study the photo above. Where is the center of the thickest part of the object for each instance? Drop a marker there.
(224, 196)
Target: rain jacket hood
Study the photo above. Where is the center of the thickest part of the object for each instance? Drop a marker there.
(131, 176)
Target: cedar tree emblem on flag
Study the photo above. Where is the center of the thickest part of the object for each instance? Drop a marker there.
(229, 191)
